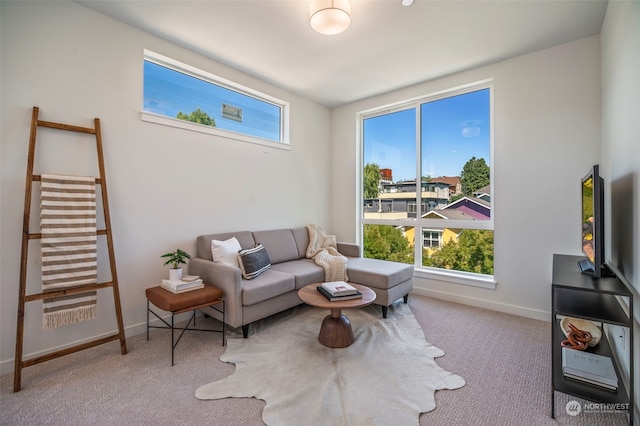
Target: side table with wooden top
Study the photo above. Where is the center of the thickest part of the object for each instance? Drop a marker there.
(178, 303)
(336, 330)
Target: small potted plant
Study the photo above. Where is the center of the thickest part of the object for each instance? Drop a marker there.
(175, 259)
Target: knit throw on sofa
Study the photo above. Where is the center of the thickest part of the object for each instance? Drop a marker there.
(68, 246)
(323, 250)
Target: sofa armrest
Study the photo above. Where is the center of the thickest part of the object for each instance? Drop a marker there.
(226, 278)
(349, 249)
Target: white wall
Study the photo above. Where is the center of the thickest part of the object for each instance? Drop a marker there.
(621, 153)
(547, 135)
(166, 185)
(621, 134)
(76, 64)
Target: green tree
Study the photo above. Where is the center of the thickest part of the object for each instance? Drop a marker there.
(475, 174)
(454, 198)
(197, 116)
(371, 180)
(387, 243)
(473, 252)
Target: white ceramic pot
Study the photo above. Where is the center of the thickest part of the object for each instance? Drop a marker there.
(175, 274)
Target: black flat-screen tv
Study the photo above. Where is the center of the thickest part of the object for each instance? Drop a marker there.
(592, 188)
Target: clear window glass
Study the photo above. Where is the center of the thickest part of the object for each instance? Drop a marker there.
(178, 91)
(456, 148)
(389, 243)
(427, 166)
(470, 250)
(389, 154)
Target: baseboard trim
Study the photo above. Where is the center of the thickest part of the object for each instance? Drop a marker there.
(6, 366)
(484, 303)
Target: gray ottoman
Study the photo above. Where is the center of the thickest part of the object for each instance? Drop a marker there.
(389, 280)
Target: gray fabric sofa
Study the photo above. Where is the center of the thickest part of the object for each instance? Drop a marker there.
(277, 288)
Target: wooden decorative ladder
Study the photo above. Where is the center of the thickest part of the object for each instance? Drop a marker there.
(28, 236)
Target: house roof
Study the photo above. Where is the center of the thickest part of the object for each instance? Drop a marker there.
(484, 190)
(466, 208)
(453, 214)
(449, 180)
(466, 199)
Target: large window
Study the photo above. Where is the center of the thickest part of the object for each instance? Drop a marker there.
(427, 178)
(179, 95)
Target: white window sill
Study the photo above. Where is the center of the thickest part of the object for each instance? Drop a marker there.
(457, 277)
(195, 127)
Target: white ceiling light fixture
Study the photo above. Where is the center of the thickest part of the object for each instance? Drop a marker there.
(330, 17)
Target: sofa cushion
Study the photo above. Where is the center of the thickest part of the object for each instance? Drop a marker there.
(203, 243)
(301, 236)
(265, 286)
(377, 273)
(279, 244)
(225, 251)
(253, 261)
(305, 271)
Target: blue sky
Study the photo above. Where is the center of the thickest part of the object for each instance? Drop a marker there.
(168, 92)
(453, 130)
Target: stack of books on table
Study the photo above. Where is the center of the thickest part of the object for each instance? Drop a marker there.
(589, 368)
(187, 283)
(338, 290)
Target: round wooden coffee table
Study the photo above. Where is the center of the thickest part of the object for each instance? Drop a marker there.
(336, 331)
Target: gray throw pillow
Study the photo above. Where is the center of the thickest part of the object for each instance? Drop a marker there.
(253, 261)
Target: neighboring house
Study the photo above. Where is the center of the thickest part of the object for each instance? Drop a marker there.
(466, 208)
(455, 186)
(483, 193)
(386, 176)
(398, 200)
(475, 207)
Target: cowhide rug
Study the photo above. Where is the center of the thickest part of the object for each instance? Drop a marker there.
(388, 376)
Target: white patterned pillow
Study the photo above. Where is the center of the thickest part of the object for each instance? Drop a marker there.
(253, 261)
(226, 251)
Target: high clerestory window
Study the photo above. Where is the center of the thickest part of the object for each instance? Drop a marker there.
(179, 95)
(438, 149)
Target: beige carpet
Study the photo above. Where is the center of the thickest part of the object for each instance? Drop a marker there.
(504, 359)
(306, 383)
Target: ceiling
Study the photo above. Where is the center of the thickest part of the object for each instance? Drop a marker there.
(388, 46)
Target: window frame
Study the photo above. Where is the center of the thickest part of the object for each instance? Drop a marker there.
(208, 77)
(458, 277)
(430, 231)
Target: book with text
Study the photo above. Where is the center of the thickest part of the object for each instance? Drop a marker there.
(330, 298)
(339, 288)
(589, 367)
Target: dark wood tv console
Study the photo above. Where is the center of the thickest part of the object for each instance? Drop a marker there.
(578, 295)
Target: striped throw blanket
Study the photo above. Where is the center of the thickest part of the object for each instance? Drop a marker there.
(69, 250)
